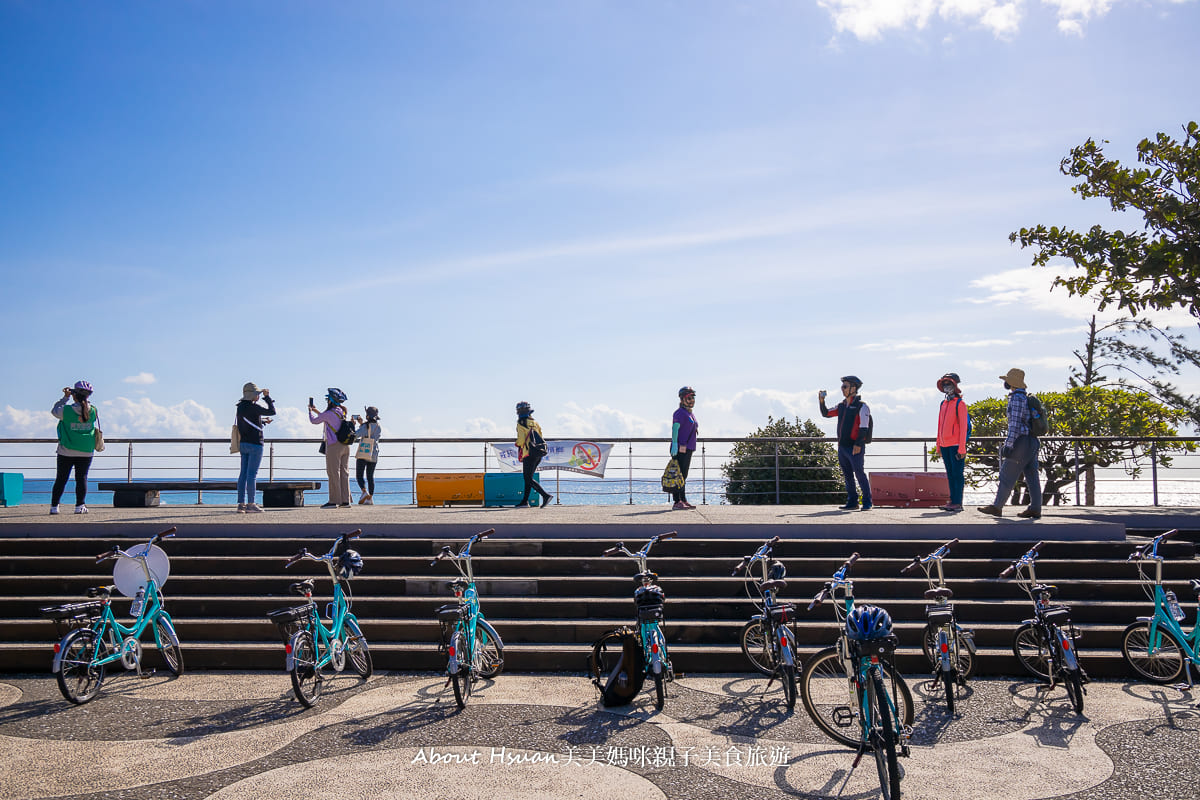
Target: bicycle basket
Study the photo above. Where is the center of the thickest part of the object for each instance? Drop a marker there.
(1058, 615)
(289, 621)
(650, 613)
(940, 614)
(73, 615)
(784, 612)
(447, 617)
(884, 647)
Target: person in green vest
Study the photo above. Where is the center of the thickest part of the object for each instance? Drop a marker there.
(77, 425)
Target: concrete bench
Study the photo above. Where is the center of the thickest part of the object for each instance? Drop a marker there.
(147, 494)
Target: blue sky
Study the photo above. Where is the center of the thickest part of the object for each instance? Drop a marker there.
(446, 208)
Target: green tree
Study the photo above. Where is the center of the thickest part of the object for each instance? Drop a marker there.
(1156, 268)
(1081, 411)
(808, 471)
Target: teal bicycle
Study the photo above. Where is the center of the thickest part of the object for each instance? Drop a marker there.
(472, 646)
(94, 638)
(1158, 648)
(648, 599)
(310, 645)
(853, 691)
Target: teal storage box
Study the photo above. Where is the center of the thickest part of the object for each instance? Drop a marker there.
(12, 486)
(506, 488)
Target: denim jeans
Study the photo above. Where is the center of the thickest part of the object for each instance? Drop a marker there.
(852, 466)
(251, 458)
(954, 473)
(1021, 461)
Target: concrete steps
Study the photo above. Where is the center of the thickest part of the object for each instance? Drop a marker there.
(550, 598)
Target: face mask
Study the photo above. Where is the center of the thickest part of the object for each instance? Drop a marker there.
(949, 390)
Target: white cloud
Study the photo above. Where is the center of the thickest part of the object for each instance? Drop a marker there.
(871, 19)
(600, 420)
(142, 379)
(19, 423)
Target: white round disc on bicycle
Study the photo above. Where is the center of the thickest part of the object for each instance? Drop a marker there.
(128, 574)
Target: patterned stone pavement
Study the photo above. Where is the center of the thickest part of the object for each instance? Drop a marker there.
(243, 736)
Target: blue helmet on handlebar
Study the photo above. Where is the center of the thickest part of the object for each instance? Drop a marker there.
(350, 563)
(868, 622)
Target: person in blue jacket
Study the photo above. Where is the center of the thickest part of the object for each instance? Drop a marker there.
(683, 442)
(853, 435)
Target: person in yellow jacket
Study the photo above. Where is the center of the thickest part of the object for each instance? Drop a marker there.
(531, 448)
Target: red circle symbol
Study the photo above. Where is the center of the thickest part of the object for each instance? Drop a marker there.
(587, 455)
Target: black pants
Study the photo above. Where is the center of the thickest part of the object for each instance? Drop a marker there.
(685, 461)
(529, 466)
(361, 465)
(81, 464)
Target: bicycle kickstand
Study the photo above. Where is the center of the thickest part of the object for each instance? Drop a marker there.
(862, 751)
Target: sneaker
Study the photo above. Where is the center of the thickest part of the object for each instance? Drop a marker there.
(849, 507)
(524, 504)
(53, 510)
(689, 505)
(952, 507)
(1029, 513)
(81, 509)
(679, 506)
(362, 499)
(995, 511)
(546, 500)
(241, 508)
(343, 505)
(329, 505)
(253, 508)
(867, 507)
(369, 500)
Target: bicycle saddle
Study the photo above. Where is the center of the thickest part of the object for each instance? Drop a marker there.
(772, 586)
(1196, 586)
(100, 591)
(1048, 588)
(646, 576)
(457, 585)
(304, 587)
(940, 593)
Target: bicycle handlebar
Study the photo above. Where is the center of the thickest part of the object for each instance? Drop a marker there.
(106, 556)
(667, 535)
(296, 558)
(1025, 559)
(819, 598)
(612, 551)
(740, 566)
(167, 534)
(850, 561)
(912, 565)
(485, 534)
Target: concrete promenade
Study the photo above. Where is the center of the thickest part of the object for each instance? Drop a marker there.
(243, 736)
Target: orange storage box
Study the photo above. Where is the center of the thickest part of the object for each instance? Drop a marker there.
(448, 488)
(909, 489)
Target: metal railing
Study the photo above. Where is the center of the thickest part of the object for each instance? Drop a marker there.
(781, 470)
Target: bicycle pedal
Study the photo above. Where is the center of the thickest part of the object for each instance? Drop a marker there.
(843, 717)
(145, 675)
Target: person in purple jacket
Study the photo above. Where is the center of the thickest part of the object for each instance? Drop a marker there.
(337, 455)
(683, 442)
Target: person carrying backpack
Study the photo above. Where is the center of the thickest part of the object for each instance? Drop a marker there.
(1019, 451)
(337, 451)
(853, 435)
(953, 428)
(531, 449)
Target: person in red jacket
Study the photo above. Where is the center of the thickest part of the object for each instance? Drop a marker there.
(952, 437)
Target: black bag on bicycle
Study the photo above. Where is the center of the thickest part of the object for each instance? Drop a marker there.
(617, 667)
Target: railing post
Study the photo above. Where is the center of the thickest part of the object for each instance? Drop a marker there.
(1077, 472)
(1154, 469)
(200, 475)
(413, 473)
(485, 448)
(925, 455)
(271, 463)
(703, 477)
(777, 473)
(129, 463)
(630, 473)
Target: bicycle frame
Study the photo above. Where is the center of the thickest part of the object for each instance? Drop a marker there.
(1163, 617)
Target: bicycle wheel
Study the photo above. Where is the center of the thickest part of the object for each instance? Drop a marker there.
(757, 646)
(959, 650)
(358, 651)
(1032, 650)
(1074, 682)
(788, 677)
(1162, 664)
(884, 735)
(461, 679)
(827, 693)
(168, 645)
(491, 650)
(660, 689)
(78, 678)
(306, 677)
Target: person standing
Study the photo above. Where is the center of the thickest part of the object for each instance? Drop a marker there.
(1019, 451)
(531, 449)
(367, 456)
(952, 437)
(250, 422)
(853, 434)
(337, 455)
(77, 426)
(683, 443)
